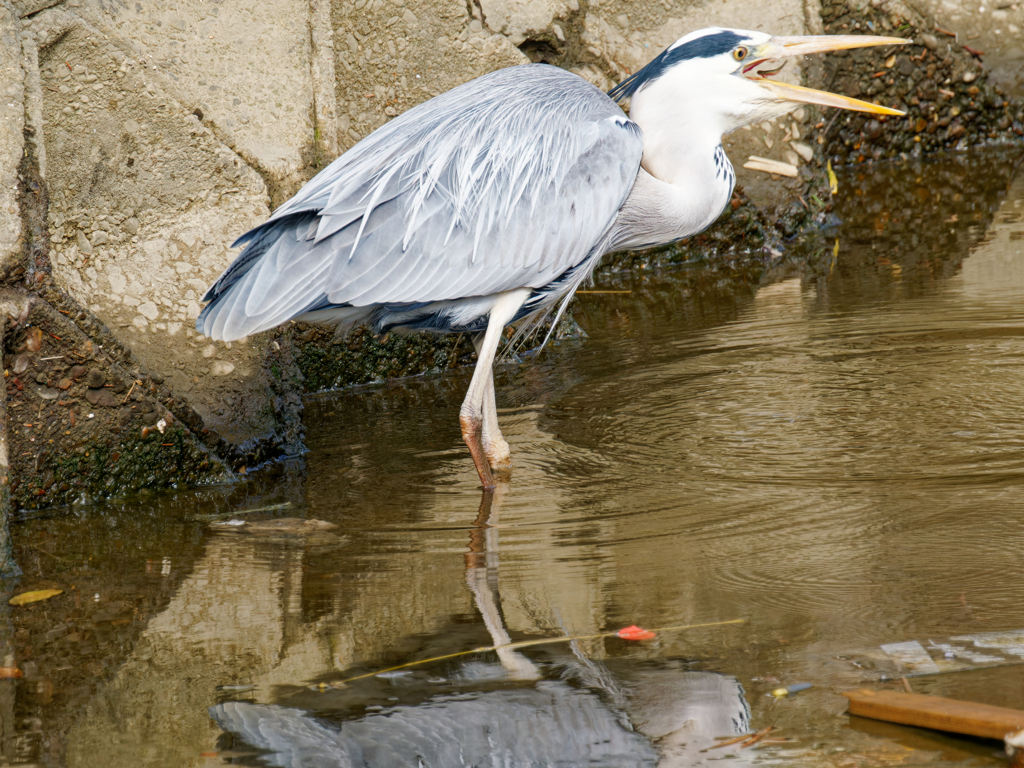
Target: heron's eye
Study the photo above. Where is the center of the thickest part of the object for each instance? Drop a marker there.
(740, 53)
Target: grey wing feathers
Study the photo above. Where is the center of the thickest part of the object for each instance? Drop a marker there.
(504, 182)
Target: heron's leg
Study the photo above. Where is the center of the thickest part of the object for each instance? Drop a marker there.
(495, 448)
(481, 387)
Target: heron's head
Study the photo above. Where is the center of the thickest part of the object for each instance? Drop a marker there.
(724, 78)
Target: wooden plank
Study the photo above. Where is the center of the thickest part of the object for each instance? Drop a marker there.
(936, 712)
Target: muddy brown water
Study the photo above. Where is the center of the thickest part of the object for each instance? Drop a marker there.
(832, 451)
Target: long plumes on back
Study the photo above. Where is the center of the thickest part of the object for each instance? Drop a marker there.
(505, 182)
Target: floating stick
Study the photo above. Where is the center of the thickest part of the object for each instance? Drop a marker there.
(529, 643)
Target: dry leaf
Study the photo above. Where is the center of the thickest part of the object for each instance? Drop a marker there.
(34, 597)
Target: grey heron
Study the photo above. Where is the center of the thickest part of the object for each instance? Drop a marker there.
(491, 203)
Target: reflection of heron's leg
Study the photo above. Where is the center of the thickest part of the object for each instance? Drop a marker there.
(495, 448)
(482, 577)
(473, 411)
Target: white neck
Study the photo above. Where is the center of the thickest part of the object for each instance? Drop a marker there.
(685, 179)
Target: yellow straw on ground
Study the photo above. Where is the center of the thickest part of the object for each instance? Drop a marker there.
(528, 643)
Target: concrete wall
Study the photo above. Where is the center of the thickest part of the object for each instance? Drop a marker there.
(152, 134)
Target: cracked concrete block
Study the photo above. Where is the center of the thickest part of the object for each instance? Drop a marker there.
(12, 124)
(144, 202)
(28, 7)
(243, 64)
(390, 59)
(520, 20)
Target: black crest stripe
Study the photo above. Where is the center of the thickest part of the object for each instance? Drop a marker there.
(702, 48)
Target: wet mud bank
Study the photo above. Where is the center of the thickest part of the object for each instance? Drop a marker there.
(133, 169)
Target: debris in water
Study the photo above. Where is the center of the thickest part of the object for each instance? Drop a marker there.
(393, 675)
(236, 687)
(786, 690)
(254, 510)
(635, 633)
(746, 740)
(34, 596)
(10, 673)
(936, 712)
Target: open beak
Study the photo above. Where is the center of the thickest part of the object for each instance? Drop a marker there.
(763, 66)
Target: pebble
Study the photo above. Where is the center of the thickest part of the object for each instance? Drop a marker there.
(930, 41)
(21, 364)
(804, 150)
(64, 384)
(970, 77)
(96, 378)
(101, 397)
(83, 243)
(78, 371)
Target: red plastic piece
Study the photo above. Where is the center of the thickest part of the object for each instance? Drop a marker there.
(635, 633)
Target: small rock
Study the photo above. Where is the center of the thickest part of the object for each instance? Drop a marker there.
(872, 129)
(34, 340)
(210, 351)
(131, 225)
(40, 378)
(78, 371)
(46, 393)
(83, 243)
(20, 364)
(150, 418)
(96, 378)
(804, 150)
(970, 77)
(64, 384)
(157, 378)
(930, 41)
(221, 368)
(99, 237)
(101, 397)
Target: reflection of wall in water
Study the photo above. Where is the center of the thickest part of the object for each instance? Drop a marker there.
(238, 620)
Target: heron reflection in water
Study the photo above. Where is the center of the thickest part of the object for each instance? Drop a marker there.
(491, 204)
(512, 711)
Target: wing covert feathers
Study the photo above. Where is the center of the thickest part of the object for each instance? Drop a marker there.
(504, 182)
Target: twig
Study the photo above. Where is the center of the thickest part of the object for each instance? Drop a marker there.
(40, 549)
(729, 743)
(906, 685)
(130, 391)
(530, 643)
(757, 737)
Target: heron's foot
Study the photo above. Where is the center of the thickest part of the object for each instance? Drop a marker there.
(471, 426)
